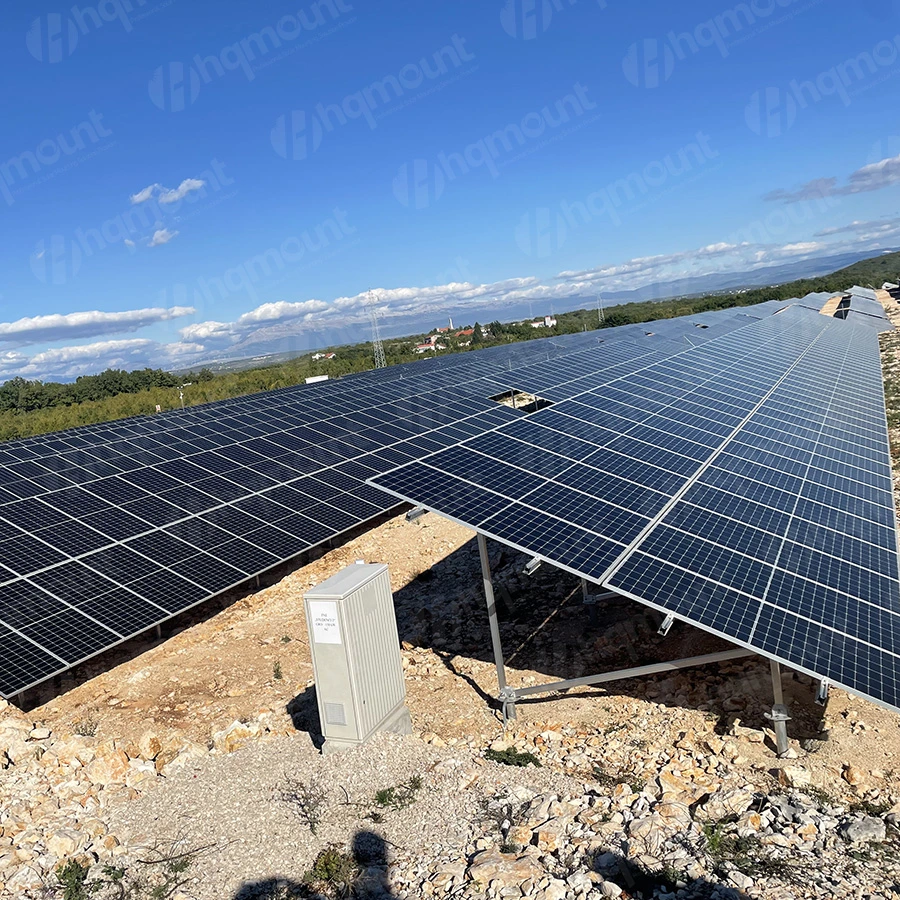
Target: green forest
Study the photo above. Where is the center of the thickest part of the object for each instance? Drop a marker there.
(35, 407)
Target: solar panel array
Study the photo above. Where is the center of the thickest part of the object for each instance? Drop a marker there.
(743, 485)
(108, 530)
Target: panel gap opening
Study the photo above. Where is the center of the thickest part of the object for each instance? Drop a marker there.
(522, 401)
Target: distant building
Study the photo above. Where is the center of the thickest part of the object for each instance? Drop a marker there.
(466, 332)
(546, 322)
(423, 348)
(324, 355)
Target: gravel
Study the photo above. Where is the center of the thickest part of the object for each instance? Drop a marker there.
(230, 805)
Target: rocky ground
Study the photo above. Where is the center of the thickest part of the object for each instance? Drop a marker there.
(188, 765)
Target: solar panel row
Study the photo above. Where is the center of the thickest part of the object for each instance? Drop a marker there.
(108, 530)
(744, 485)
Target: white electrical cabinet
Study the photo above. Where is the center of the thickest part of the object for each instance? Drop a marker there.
(356, 656)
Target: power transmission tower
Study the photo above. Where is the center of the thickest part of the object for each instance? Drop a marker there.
(377, 346)
(600, 317)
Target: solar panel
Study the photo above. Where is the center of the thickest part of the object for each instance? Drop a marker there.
(758, 502)
(124, 524)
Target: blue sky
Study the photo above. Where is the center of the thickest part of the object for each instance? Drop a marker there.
(179, 179)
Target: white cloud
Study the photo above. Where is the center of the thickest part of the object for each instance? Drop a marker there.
(71, 326)
(144, 195)
(183, 189)
(162, 236)
(129, 243)
(873, 177)
(167, 195)
(346, 317)
(867, 230)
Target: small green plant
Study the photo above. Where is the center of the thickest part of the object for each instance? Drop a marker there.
(277, 674)
(285, 639)
(400, 796)
(746, 854)
(307, 799)
(159, 876)
(86, 727)
(870, 808)
(72, 877)
(333, 873)
(512, 757)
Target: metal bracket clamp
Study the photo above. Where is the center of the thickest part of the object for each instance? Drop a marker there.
(822, 692)
(779, 718)
(508, 699)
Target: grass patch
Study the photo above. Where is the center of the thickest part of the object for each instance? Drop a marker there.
(512, 757)
(333, 873)
(746, 854)
(277, 674)
(400, 796)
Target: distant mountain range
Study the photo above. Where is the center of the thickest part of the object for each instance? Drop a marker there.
(720, 282)
(275, 342)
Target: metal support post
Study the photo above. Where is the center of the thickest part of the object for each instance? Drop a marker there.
(585, 595)
(779, 715)
(159, 631)
(506, 696)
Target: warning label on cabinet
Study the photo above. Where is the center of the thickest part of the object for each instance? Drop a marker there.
(324, 619)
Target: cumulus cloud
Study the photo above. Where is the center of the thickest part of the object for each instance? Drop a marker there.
(167, 195)
(183, 189)
(873, 177)
(346, 317)
(162, 236)
(144, 195)
(86, 359)
(93, 323)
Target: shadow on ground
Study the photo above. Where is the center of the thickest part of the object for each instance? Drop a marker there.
(547, 628)
(368, 878)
